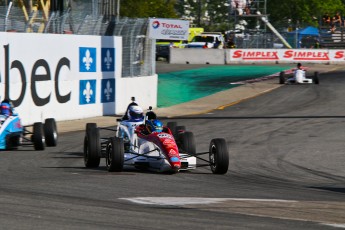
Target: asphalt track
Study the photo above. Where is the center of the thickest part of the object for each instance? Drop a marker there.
(286, 172)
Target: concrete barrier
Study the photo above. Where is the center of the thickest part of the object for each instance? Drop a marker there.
(197, 56)
(248, 56)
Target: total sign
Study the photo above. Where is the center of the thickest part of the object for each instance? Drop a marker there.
(60, 76)
(169, 29)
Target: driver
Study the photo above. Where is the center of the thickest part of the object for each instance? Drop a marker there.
(6, 108)
(154, 126)
(135, 113)
(150, 126)
(298, 75)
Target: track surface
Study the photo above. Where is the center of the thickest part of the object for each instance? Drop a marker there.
(286, 172)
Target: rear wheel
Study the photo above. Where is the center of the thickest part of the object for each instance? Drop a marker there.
(316, 78)
(187, 142)
(12, 141)
(92, 148)
(281, 77)
(115, 154)
(37, 136)
(180, 128)
(50, 132)
(219, 156)
(172, 126)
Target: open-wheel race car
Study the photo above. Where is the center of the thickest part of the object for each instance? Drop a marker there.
(298, 76)
(13, 134)
(165, 149)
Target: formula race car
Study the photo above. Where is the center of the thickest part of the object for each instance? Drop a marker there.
(39, 135)
(171, 149)
(298, 76)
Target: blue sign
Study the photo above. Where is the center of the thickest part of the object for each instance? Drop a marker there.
(108, 90)
(108, 59)
(87, 92)
(87, 59)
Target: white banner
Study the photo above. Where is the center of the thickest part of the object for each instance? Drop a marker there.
(67, 76)
(169, 29)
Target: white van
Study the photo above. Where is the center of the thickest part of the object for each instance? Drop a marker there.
(211, 39)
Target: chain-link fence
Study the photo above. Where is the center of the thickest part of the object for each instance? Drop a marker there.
(84, 19)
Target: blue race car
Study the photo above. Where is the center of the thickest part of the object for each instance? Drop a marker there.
(13, 134)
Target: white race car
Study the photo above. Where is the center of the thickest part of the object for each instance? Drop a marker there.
(298, 76)
(134, 148)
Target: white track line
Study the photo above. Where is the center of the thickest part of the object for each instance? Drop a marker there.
(180, 201)
(335, 225)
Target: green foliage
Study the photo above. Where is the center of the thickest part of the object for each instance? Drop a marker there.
(148, 8)
(218, 11)
(302, 12)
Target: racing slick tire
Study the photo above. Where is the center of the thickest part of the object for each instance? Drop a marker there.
(180, 128)
(90, 125)
(38, 136)
(172, 126)
(281, 77)
(115, 154)
(92, 148)
(187, 142)
(219, 156)
(50, 132)
(316, 78)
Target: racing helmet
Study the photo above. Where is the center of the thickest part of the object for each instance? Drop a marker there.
(154, 125)
(5, 108)
(135, 113)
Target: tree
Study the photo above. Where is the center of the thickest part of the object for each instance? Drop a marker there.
(303, 12)
(204, 13)
(145, 9)
(192, 10)
(218, 14)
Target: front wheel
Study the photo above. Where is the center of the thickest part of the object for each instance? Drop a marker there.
(316, 78)
(50, 132)
(281, 77)
(38, 136)
(92, 148)
(219, 156)
(115, 154)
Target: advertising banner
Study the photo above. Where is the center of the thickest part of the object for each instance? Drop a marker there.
(284, 55)
(168, 29)
(59, 76)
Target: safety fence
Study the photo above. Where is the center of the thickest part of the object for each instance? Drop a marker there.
(83, 19)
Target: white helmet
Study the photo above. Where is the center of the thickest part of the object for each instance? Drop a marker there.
(135, 113)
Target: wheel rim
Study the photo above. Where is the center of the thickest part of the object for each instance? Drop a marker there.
(213, 157)
(55, 135)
